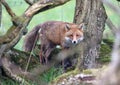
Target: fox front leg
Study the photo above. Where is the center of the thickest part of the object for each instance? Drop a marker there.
(46, 49)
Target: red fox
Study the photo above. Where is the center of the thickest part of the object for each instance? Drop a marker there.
(51, 34)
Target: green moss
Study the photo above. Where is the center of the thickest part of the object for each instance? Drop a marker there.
(87, 71)
(105, 53)
(63, 76)
(109, 42)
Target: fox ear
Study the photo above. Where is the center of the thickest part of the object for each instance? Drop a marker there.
(82, 26)
(67, 27)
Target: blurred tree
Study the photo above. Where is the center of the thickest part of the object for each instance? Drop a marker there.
(0, 13)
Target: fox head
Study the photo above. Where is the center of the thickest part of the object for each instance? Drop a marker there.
(74, 33)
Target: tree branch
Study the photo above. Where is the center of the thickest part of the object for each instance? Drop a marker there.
(110, 76)
(111, 26)
(35, 8)
(29, 2)
(16, 72)
(113, 7)
(43, 5)
(9, 10)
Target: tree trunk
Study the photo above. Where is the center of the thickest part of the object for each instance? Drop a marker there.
(93, 14)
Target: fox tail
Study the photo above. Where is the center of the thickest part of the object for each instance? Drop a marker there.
(30, 39)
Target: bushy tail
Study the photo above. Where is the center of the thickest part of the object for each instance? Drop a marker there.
(30, 39)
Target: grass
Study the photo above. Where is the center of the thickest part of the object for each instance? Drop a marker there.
(51, 74)
(8, 82)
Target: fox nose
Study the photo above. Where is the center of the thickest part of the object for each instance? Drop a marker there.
(74, 42)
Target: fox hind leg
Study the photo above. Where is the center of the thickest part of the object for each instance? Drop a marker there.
(44, 42)
(46, 49)
(41, 55)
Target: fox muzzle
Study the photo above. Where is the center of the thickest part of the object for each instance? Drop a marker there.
(74, 42)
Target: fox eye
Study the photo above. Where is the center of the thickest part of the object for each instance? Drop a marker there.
(71, 35)
(77, 35)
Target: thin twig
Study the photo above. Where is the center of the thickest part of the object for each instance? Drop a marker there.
(111, 26)
(28, 63)
(29, 2)
(0, 13)
(113, 7)
(9, 10)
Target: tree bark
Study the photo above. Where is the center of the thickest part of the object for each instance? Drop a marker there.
(93, 14)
